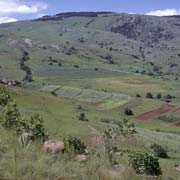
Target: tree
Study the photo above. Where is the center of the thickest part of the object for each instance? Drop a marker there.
(149, 95)
(128, 111)
(168, 96)
(138, 95)
(159, 96)
(159, 151)
(82, 117)
(156, 68)
(25, 56)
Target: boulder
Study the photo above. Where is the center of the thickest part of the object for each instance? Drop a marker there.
(53, 146)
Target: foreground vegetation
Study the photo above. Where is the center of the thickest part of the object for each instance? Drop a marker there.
(109, 160)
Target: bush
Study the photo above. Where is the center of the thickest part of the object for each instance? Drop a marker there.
(4, 97)
(127, 128)
(168, 96)
(159, 151)
(13, 120)
(138, 95)
(145, 164)
(76, 66)
(159, 96)
(12, 117)
(149, 95)
(74, 145)
(109, 146)
(82, 117)
(128, 112)
(36, 126)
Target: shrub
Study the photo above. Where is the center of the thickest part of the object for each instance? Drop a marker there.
(4, 97)
(159, 96)
(127, 128)
(53, 93)
(81, 39)
(109, 145)
(156, 68)
(159, 151)
(74, 145)
(79, 107)
(82, 117)
(145, 164)
(12, 117)
(149, 95)
(138, 95)
(168, 96)
(128, 112)
(36, 126)
(13, 120)
(76, 66)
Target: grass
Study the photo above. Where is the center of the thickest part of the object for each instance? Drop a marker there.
(60, 115)
(103, 90)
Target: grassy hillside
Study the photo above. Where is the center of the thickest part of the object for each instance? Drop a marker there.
(110, 42)
(98, 64)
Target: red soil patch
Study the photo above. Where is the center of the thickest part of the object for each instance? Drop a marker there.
(177, 124)
(156, 113)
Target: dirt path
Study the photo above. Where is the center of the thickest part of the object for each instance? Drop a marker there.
(95, 137)
(165, 108)
(177, 111)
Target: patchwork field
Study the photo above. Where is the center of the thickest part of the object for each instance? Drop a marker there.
(103, 100)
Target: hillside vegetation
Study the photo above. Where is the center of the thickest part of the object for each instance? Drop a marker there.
(106, 81)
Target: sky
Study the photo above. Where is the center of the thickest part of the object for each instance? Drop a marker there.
(14, 10)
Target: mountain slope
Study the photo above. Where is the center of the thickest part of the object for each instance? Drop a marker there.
(91, 40)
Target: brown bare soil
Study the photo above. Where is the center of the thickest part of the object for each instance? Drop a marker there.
(177, 124)
(95, 137)
(177, 111)
(165, 108)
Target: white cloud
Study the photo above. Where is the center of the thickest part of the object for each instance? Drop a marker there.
(20, 7)
(7, 20)
(14, 7)
(164, 12)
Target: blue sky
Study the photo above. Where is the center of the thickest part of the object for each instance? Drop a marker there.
(13, 10)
